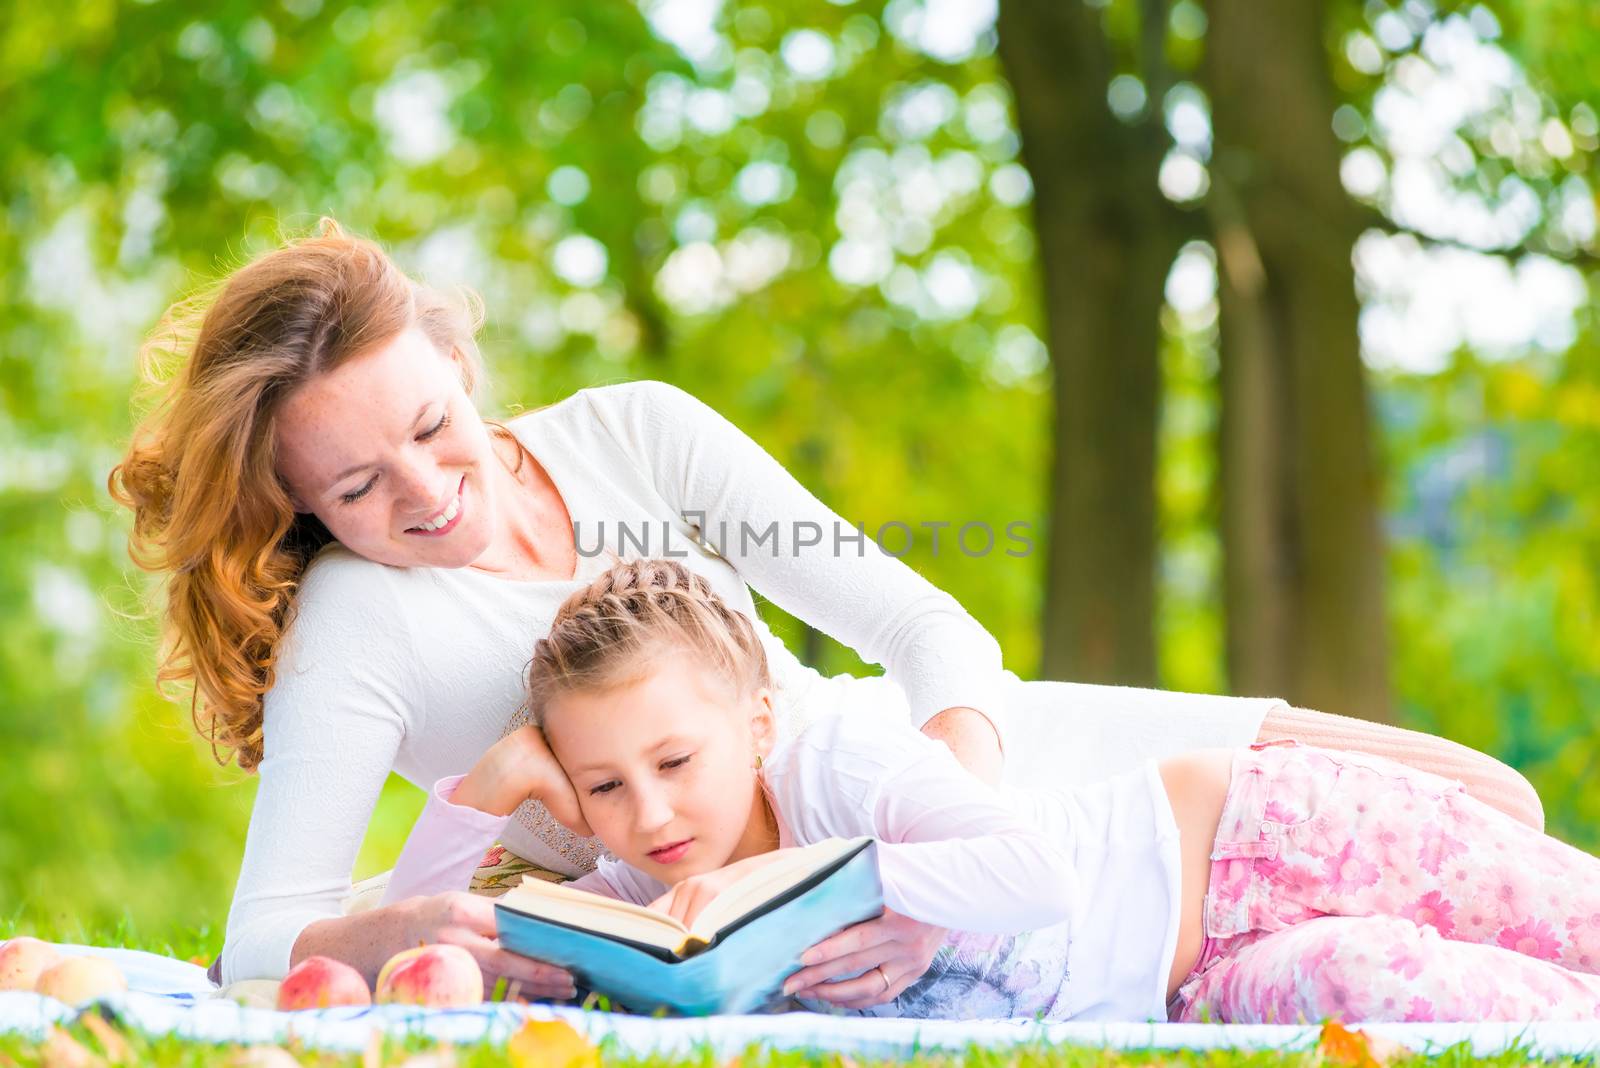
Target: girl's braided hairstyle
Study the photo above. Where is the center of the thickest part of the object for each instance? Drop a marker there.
(612, 633)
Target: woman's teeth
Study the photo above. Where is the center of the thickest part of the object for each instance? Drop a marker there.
(443, 518)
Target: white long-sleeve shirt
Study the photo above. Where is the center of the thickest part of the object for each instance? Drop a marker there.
(1060, 905)
(418, 670)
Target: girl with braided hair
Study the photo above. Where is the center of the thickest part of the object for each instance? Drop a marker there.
(1270, 884)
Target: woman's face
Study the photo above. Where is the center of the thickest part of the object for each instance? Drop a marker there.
(663, 768)
(389, 452)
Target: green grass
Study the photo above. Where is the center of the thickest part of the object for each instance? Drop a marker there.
(184, 943)
(203, 942)
(172, 1053)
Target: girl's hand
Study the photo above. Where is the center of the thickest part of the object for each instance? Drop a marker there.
(688, 896)
(467, 920)
(900, 946)
(518, 768)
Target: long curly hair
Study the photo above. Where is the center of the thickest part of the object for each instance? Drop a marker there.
(210, 513)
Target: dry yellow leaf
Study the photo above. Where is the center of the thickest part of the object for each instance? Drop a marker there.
(116, 1047)
(443, 1057)
(372, 1055)
(1340, 1045)
(551, 1044)
(262, 1057)
(61, 1050)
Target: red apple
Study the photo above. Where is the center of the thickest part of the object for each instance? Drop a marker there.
(321, 982)
(439, 976)
(23, 960)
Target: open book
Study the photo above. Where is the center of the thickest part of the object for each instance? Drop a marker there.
(735, 956)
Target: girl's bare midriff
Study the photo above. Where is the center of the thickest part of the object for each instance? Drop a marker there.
(1197, 786)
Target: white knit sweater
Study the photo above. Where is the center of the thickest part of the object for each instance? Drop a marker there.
(418, 670)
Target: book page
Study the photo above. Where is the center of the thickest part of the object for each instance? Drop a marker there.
(595, 912)
(636, 923)
(766, 883)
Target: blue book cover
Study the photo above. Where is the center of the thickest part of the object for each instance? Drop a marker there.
(739, 969)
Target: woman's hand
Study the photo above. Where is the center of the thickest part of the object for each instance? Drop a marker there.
(518, 768)
(894, 949)
(688, 896)
(467, 920)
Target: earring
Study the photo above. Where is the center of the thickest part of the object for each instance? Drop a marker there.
(758, 762)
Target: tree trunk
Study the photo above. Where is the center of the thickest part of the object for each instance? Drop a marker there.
(1106, 242)
(1303, 564)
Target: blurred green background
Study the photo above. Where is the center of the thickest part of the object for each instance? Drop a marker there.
(823, 218)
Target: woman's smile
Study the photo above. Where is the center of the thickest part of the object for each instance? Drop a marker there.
(447, 518)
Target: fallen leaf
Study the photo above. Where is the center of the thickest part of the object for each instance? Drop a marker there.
(61, 1050)
(1339, 1044)
(443, 1057)
(372, 1056)
(263, 1057)
(116, 1047)
(551, 1044)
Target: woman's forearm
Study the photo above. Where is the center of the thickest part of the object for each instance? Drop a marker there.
(364, 940)
(1485, 778)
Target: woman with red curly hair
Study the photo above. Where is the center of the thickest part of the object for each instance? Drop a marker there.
(354, 561)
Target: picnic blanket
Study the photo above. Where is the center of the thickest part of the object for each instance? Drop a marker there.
(168, 996)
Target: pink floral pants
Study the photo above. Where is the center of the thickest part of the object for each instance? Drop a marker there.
(1348, 886)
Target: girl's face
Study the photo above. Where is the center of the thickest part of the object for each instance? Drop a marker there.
(389, 452)
(664, 768)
